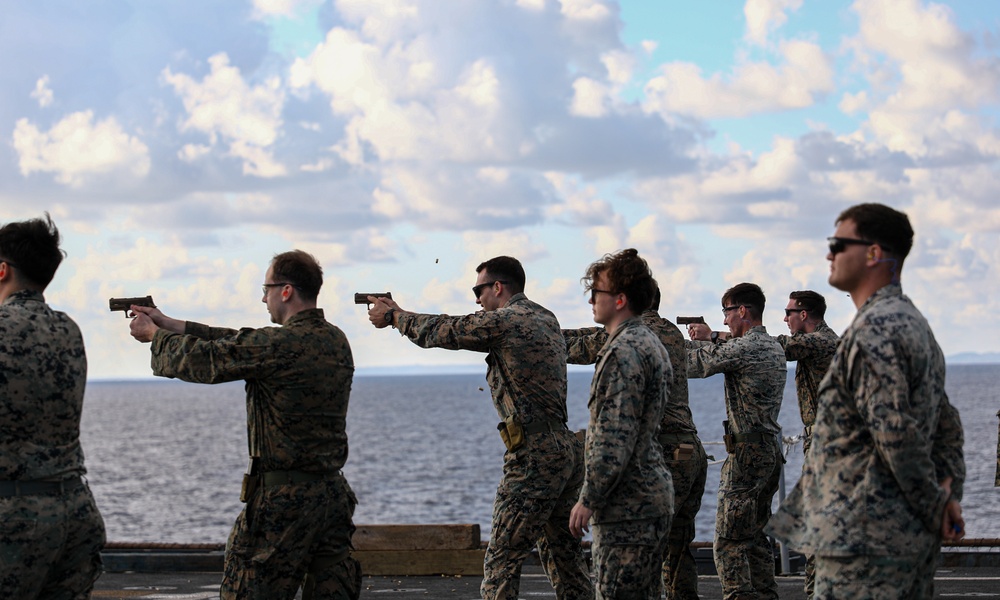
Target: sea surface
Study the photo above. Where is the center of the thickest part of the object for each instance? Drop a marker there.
(165, 458)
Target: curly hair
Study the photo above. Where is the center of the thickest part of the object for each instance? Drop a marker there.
(627, 274)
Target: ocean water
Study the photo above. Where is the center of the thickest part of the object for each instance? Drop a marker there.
(165, 458)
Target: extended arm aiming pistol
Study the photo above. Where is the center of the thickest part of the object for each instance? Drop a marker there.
(690, 320)
(124, 304)
(362, 297)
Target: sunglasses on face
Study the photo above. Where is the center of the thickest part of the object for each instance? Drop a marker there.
(477, 290)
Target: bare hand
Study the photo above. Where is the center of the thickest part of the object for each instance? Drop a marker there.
(952, 525)
(142, 327)
(380, 306)
(159, 319)
(579, 520)
(700, 331)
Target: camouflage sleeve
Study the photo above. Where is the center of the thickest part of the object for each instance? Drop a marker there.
(882, 396)
(947, 452)
(805, 345)
(614, 427)
(247, 355)
(477, 332)
(705, 359)
(582, 345)
(205, 332)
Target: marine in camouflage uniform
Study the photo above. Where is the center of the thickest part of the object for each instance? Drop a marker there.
(628, 486)
(754, 367)
(884, 420)
(683, 451)
(52, 532)
(882, 484)
(811, 345)
(996, 483)
(526, 371)
(297, 525)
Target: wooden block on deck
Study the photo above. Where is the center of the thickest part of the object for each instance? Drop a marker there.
(416, 537)
(421, 562)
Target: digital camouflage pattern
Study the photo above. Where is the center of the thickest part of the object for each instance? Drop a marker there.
(291, 536)
(755, 370)
(526, 371)
(885, 436)
(298, 384)
(627, 483)
(812, 352)
(904, 577)
(680, 575)
(627, 558)
(50, 543)
(997, 481)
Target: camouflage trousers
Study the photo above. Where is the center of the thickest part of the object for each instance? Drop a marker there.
(909, 577)
(541, 483)
(50, 545)
(680, 574)
(809, 585)
(292, 536)
(628, 558)
(743, 555)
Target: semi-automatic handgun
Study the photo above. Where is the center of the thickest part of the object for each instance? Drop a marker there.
(362, 297)
(690, 320)
(124, 304)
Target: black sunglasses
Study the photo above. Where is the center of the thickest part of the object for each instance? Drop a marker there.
(476, 290)
(839, 244)
(594, 292)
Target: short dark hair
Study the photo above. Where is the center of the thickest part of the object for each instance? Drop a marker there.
(627, 274)
(507, 269)
(300, 269)
(746, 294)
(809, 301)
(883, 225)
(32, 248)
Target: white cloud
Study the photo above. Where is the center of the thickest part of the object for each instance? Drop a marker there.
(589, 98)
(224, 106)
(76, 148)
(280, 8)
(585, 10)
(920, 66)
(192, 152)
(42, 92)
(805, 74)
(765, 16)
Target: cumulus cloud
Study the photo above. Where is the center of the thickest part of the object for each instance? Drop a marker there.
(804, 75)
(283, 8)
(765, 16)
(223, 105)
(77, 148)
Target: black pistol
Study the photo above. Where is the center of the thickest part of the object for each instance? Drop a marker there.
(362, 297)
(690, 320)
(124, 304)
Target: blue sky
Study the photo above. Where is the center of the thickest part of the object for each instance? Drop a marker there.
(179, 145)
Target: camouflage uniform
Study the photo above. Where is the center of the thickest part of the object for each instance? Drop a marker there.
(996, 483)
(51, 538)
(296, 528)
(627, 483)
(687, 472)
(754, 367)
(813, 352)
(868, 505)
(526, 371)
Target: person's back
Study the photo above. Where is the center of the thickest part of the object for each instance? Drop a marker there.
(52, 530)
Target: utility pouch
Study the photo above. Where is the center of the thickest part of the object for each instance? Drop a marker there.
(684, 452)
(727, 438)
(251, 479)
(511, 433)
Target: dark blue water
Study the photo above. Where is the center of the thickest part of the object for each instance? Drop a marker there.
(166, 458)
